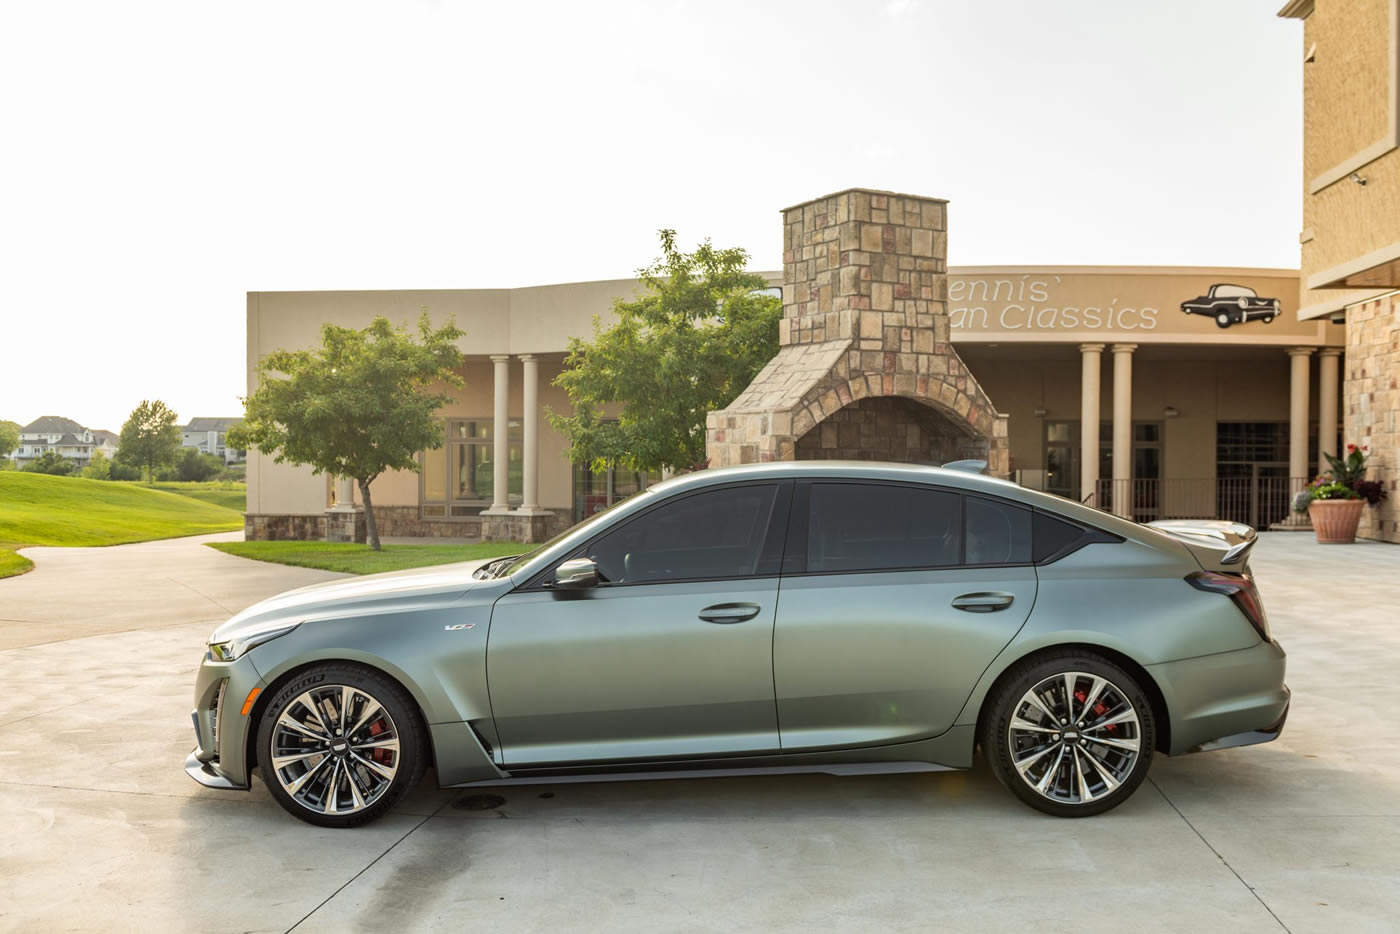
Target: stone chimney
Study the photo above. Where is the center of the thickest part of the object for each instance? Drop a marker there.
(864, 368)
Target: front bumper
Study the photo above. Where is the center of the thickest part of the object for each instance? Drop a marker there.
(221, 729)
(1225, 700)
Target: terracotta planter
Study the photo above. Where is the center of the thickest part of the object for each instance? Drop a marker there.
(1335, 520)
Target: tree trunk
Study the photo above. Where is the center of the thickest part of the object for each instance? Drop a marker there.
(371, 530)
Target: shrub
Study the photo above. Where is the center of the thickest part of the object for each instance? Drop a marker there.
(195, 466)
(50, 462)
(120, 471)
(99, 468)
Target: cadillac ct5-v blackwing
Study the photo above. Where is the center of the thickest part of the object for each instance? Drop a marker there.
(818, 616)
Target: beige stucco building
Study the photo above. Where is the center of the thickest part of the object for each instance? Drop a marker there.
(1351, 217)
(1094, 381)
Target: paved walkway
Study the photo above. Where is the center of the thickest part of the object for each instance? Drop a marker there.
(103, 831)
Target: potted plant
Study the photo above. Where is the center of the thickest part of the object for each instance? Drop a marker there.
(1335, 500)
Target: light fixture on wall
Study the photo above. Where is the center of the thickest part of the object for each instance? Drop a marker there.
(1039, 413)
(1171, 411)
(1358, 178)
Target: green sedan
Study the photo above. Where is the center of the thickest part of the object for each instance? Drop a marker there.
(847, 618)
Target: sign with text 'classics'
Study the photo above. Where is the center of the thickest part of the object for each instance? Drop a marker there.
(1214, 304)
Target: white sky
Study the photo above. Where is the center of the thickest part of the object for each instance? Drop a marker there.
(161, 159)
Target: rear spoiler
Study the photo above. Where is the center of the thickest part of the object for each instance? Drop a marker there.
(1216, 543)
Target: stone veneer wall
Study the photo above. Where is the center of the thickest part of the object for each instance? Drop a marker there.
(887, 428)
(1372, 391)
(258, 528)
(392, 521)
(864, 314)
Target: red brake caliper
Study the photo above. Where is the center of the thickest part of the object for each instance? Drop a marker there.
(382, 756)
(1099, 708)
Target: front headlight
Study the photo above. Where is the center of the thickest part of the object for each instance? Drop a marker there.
(235, 648)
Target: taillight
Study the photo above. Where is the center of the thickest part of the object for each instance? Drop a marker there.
(1238, 588)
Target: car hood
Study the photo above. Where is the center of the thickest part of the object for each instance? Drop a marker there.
(394, 591)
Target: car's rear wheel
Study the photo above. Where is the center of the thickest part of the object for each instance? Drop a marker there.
(1071, 734)
(1223, 319)
(339, 745)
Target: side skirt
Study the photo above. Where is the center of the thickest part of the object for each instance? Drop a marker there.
(835, 768)
(949, 751)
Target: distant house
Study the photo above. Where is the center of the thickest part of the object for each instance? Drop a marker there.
(208, 435)
(65, 436)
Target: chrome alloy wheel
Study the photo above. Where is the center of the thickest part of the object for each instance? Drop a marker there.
(335, 749)
(1074, 737)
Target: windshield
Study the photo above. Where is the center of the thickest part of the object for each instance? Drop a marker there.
(504, 567)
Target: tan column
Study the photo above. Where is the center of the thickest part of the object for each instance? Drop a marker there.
(1328, 384)
(500, 433)
(1298, 417)
(1091, 356)
(1123, 429)
(345, 493)
(530, 481)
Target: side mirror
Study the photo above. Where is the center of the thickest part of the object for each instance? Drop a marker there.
(576, 573)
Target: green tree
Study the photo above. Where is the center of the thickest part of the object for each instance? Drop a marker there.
(50, 462)
(150, 438)
(9, 438)
(192, 465)
(98, 468)
(690, 342)
(358, 405)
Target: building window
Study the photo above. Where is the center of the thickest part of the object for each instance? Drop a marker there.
(1251, 471)
(596, 490)
(1062, 462)
(458, 480)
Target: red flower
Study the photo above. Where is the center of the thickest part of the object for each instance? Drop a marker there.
(1351, 447)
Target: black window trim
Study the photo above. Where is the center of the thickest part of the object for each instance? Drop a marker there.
(774, 539)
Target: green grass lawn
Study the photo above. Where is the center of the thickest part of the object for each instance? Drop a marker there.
(224, 493)
(36, 509)
(359, 559)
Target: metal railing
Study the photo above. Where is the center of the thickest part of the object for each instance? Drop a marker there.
(1260, 502)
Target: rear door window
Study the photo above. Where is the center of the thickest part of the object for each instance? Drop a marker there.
(997, 532)
(880, 527)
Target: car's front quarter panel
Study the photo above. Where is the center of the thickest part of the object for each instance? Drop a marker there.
(435, 648)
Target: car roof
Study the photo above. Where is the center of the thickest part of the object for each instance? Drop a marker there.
(876, 470)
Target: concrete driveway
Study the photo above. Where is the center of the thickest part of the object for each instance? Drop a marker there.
(102, 830)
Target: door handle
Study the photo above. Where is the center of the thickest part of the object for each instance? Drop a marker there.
(729, 612)
(988, 602)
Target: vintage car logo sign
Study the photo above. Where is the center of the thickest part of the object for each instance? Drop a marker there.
(1232, 304)
(459, 626)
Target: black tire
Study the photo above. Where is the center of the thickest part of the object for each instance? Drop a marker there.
(1001, 706)
(403, 716)
(1222, 319)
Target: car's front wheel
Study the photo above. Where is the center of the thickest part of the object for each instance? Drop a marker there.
(1071, 734)
(339, 744)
